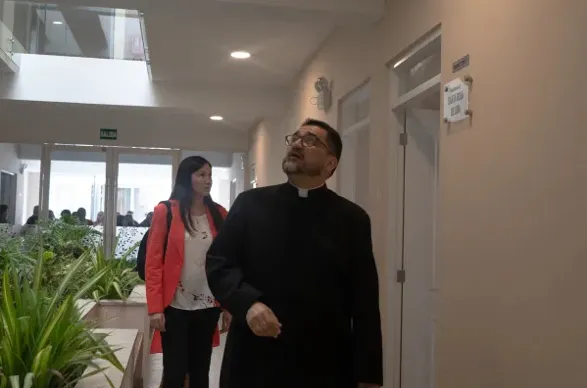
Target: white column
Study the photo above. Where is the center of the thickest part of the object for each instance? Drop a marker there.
(175, 161)
(45, 181)
(111, 192)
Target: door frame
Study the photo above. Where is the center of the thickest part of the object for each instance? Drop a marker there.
(350, 137)
(112, 154)
(399, 103)
(350, 133)
(13, 194)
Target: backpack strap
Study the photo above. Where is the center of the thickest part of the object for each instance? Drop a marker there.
(169, 219)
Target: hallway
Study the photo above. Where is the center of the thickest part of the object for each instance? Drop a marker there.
(476, 215)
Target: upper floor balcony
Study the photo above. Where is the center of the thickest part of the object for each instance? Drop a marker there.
(66, 30)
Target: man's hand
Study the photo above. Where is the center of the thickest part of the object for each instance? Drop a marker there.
(226, 319)
(262, 321)
(368, 385)
(157, 321)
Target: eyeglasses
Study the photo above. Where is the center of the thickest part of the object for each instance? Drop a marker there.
(307, 140)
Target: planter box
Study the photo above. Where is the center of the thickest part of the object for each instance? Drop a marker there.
(124, 314)
(127, 342)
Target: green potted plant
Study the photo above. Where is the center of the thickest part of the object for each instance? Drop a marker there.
(44, 343)
(110, 304)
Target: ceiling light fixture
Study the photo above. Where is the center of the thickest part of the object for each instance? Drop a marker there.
(57, 22)
(240, 54)
(216, 118)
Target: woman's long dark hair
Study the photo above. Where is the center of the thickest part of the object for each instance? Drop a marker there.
(184, 193)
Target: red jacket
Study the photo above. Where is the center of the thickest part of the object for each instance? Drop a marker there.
(162, 275)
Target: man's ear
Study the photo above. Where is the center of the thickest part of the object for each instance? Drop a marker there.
(332, 163)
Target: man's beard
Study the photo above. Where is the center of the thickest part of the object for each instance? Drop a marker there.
(298, 167)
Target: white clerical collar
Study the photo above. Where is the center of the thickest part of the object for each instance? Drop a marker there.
(303, 193)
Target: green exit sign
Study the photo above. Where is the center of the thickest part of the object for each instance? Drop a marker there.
(108, 134)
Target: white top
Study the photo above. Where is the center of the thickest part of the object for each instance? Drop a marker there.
(193, 292)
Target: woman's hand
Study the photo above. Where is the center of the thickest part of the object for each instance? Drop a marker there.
(226, 319)
(157, 321)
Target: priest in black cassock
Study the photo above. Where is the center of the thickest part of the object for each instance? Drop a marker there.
(294, 265)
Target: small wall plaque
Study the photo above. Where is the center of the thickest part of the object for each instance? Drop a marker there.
(461, 63)
(456, 101)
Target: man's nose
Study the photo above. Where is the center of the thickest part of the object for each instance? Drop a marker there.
(297, 143)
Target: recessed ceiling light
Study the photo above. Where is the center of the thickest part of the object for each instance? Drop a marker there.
(240, 54)
(216, 118)
(57, 22)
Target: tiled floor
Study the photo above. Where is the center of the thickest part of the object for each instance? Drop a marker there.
(157, 366)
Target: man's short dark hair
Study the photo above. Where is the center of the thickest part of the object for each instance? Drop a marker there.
(333, 138)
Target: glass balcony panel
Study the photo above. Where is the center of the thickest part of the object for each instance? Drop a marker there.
(66, 30)
(13, 29)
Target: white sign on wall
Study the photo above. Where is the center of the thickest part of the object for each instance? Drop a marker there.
(456, 100)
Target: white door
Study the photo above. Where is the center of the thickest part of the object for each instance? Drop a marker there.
(420, 169)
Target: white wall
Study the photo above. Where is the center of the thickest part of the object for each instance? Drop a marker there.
(67, 100)
(267, 148)
(126, 83)
(39, 122)
(80, 80)
(10, 162)
(237, 172)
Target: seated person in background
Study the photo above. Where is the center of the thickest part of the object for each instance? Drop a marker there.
(81, 215)
(99, 219)
(147, 221)
(129, 219)
(32, 220)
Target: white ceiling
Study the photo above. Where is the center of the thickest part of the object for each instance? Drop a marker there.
(190, 44)
(190, 41)
(198, 51)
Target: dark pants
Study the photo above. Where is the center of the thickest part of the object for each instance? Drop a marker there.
(187, 346)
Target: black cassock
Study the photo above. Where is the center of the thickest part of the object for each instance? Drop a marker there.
(308, 256)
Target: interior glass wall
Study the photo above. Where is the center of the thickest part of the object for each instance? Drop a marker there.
(113, 190)
(68, 30)
(12, 20)
(19, 187)
(110, 189)
(143, 181)
(76, 182)
(77, 187)
(221, 186)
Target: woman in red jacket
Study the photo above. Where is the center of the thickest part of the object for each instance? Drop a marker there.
(181, 306)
